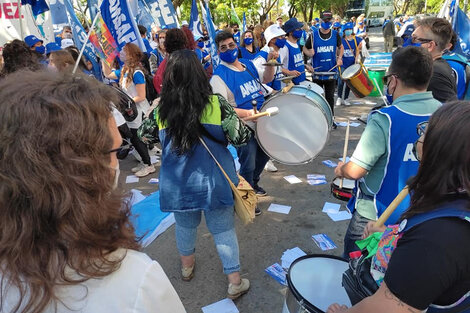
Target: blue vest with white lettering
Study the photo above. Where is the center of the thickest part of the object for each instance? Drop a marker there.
(350, 48)
(325, 53)
(296, 62)
(275, 84)
(401, 164)
(236, 36)
(244, 87)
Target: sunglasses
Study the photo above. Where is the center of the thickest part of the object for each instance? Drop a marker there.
(420, 130)
(386, 77)
(415, 39)
(121, 148)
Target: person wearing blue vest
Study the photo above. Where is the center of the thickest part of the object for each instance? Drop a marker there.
(158, 54)
(295, 61)
(383, 160)
(247, 48)
(236, 33)
(239, 82)
(326, 52)
(459, 65)
(422, 262)
(352, 49)
(202, 54)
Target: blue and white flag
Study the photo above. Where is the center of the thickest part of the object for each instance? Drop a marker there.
(163, 13)
(80, 38)
(244, 23)
(37, 6)
(206, 14)
(461, 24)
(58, 14)
(144, 17)
(121, 23)
(93, 7)
(194, 23)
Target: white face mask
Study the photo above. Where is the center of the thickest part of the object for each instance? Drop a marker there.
(117, 171)
(161, 41)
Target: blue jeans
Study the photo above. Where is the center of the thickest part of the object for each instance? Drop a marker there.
(341, 85)
(221, 224)
(356, 227)
(252, 161)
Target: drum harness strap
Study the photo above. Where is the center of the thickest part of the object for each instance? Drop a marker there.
(257, 79)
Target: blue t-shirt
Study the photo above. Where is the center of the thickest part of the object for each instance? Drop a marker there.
(137, 79)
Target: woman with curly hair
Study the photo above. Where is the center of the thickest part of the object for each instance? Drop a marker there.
(132, 82)
(16, 56)
(66, 242)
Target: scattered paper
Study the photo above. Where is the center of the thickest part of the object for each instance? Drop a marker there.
(340, 216)
(154, 159)
(132, 179)
(354, 124)
(136, 196)
(330, 163)
(329, 207)
(324, 242)
(290, 255)
(278, 273)
(316, 176)
(279, 208)
(292, 179)
(153, 181)
(223, 306)
(317, 182)
(347, 159)
(342, 124)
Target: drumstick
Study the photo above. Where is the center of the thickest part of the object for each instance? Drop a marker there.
(333, 68)
(269, 112)
(288, 87)
(391, 208)
(345, 152)
(378, 88)
(254, 103)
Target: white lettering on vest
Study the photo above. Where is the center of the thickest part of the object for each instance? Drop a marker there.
(409, 155)
(248, 88)
(325, 49)
(298, 58)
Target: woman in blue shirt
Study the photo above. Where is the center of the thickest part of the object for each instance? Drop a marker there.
(247, 49)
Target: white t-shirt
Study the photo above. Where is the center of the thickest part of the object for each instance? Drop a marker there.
(139, 286)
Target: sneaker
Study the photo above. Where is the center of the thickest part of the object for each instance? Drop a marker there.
(155, 151)
(257, 211)
(235, 291)
(347, 103)
(148, 169)
(334, 125)
(137, 168)
(260, 192)
(187, 273)
(338, 102)
(270, 167)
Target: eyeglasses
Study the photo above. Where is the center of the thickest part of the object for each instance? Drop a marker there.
(386, 77)
(421, 128)
(231, 46)
(121, 148)
(415, 39)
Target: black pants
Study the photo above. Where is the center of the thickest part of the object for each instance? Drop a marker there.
(140, 147)
(329, 87)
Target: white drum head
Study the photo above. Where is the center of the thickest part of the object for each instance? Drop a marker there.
(351, 71)
(297, 134)
(312, 86)
(347, 183)
(318, 280)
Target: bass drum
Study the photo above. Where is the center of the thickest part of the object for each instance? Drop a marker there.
(314, 283)
(299, 132)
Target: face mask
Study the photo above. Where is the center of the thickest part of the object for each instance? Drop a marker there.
(68, 36)
(200, 44)
(229, 56)
(389, 96)
(360, 24)
(326, 25)
(51, 67)
(117, 171)
(40, 49)
(235, 30)
(280, 42)
(161, 41)
(248, 41)
(297, 34)
(122, 56)
(416, 44)
(348, 32)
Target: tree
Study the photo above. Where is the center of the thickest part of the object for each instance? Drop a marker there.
(266, 7)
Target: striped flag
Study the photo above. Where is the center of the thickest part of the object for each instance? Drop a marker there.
(206, 14)
(194, 23)
(104, 42)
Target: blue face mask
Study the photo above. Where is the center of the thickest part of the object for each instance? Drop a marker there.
(248, 41)
(40, 49)
(326, 25)
(361, 24)
(297, 34)
(348, 32)
(200, 44)
(280, 42)
(389, 96)
(229, 56)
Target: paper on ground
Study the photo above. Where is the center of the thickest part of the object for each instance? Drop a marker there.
(279, 208)
(324, 242)
(292, 179)
(330, 163)
(347, 159)
(317, 182)
(340, 216)
(329, 207)
(132, 179)
(278, 273)
(223, 306)
(316, 176)
(153, 181)
(290, 255)
(345, 124)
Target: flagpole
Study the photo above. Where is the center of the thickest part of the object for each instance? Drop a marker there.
(98, 14)
(20, 16)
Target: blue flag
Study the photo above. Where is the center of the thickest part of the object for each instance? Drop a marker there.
(244, 22)
(121, 23)
(37, 6)
(58, 15)
(211, 31)
(462, 29)
(194, 23)
(143, 16)
(163, 13)
(80, 37)
(93, 7)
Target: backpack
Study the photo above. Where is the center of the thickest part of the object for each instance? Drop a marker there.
(359, 282)
(150, 91)
(126, 105)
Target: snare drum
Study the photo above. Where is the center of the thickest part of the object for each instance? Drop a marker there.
(324, 75)
(358, 80)
(298, 133)
(314, 283)
(344, 193)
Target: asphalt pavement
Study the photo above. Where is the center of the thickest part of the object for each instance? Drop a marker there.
(263, 242)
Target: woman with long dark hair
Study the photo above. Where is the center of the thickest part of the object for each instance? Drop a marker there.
(429, 263)
(132, 82)
(190, 180)
(66, 240)
(248, 49)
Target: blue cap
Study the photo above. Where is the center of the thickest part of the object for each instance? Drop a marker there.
(51, 47)
(197, 37)
(31, 40)
(291, 25)
(348, 26)
(336, 25)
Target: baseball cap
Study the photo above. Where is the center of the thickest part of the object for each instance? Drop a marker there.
(273, 31)
(51, 47)
(325, 15)
(31, 40)
(184, 23)
(66, 43)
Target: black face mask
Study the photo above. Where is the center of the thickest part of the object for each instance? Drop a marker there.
(205, 38)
